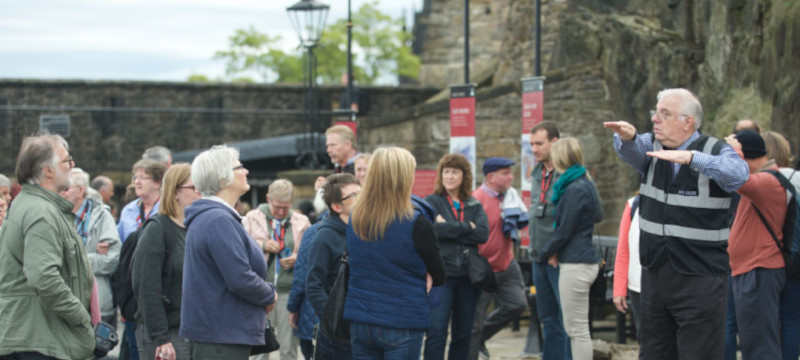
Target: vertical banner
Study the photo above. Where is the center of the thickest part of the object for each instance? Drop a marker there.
(348, 123)
(532, 114)
(424, 183)
(462, 123)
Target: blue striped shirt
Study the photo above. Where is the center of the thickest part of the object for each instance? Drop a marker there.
(727, 169)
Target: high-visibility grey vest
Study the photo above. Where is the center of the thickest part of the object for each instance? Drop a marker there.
(684, 219)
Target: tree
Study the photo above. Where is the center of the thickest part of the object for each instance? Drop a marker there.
(379, 50)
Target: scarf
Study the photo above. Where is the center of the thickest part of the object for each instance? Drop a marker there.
(574, 172)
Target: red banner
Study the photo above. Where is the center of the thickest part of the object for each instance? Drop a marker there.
(424, 182)
(348, 123)
(462, 110)
(532, 103)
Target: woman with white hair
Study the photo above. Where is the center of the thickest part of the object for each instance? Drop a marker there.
(225, 297)
(570, 247)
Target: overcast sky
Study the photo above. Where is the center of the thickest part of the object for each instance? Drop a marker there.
(164, 40)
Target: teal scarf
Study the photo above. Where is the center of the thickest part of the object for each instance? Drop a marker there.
(574, 172)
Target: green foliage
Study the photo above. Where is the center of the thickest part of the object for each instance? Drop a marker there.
(380, 48)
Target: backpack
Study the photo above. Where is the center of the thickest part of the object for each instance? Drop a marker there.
(121, 283)
(790, 246)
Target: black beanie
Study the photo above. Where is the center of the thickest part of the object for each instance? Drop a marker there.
(752, 144)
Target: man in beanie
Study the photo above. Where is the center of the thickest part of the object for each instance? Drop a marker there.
(687, 179)
(510, 299)
(756, 261)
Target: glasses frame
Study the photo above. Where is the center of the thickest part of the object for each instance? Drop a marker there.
(351, 196)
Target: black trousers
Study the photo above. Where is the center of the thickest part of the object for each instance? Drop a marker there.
(683, 316)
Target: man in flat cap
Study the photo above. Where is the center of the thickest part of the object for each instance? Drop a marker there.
(510, 296)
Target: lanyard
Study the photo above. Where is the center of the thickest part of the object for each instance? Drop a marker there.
(455, 212)
(546, 180)
(279, 235)
(142, 215)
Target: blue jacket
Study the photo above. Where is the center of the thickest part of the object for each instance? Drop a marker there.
(387, 279)
(323, 260)
(298, 302)
(576, 213)
(224, 291)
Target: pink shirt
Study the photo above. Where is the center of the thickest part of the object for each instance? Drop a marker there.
(750, 245)
(498, 249)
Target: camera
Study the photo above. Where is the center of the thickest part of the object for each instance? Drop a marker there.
(105, 338)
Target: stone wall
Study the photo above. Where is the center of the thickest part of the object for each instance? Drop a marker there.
(108, 141)
(606, 60)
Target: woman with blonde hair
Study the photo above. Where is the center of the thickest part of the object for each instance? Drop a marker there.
(391, 248)
(157, 270)
(570, 247)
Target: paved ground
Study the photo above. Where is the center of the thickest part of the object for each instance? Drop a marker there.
(506, 345)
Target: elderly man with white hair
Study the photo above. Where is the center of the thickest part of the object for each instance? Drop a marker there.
(45, 278)
(223, 260)
(96, 227)
(687, 181)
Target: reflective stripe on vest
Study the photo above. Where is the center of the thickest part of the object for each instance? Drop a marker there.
(683, 231)
(703, 200)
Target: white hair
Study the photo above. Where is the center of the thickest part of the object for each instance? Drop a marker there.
(158, 153)
(4, 181)
(79, 177)
(690, 105)
(212, 170)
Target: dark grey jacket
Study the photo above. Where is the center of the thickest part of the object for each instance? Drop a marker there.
(454, 235)
(576, 213)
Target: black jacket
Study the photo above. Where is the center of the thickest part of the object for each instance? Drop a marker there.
(576, 214)
(454, 235)
(323, 262)
(157, 274)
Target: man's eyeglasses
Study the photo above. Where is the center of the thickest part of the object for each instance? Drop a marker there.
(143, 178)
(351, 196)
(663, 115)
(69, 160)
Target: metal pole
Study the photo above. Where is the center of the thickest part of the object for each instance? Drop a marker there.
(466, 41)
(538, 29)
(350, 62)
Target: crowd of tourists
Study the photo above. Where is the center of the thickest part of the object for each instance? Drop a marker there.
(378, 273)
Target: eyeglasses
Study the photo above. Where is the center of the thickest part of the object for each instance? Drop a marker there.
(239, 167)
(351, 196)
(69, 160)
(143, 178)
(187, 187)
(662, 115)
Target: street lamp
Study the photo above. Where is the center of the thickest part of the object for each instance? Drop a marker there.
(308, 19)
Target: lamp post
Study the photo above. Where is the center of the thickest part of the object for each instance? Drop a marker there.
(308, 19)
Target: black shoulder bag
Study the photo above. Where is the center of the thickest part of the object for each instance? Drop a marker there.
(333, 323)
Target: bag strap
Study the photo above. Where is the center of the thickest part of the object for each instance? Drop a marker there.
(771, 233)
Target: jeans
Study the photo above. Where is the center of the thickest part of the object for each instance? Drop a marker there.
(457, 297)
(731, 329)
(329, 349)
(130, 332)
(370, 341)
(790, 319)
(555, 343)
(307, 348)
